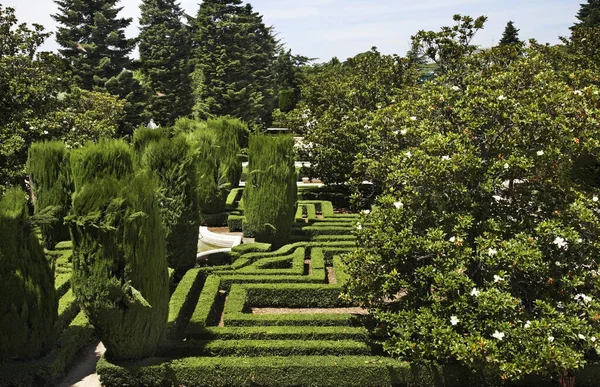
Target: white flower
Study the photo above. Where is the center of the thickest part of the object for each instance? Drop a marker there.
(378, 106)
(540, 153)
(557, 263)
(506, 166)
(368, 126)
(367, 211)
(577, 92)
(393, 101)
(497, 278)
(455, 88)
(561, 243)
(527, 324)
(497, 198)
(501, 98)
(358, 226)
(413, 118)
(454, 320)
(398, 205)
(595, 198)
(475, 292)
(45, 132)
(582, 337)
(550, 338)
(593, 338)
(403, 132)
(582, 298)
(395, 132)
(453, 239)
(579, 240)
(408, 154)
(498, 335)
(492, 252)
(58, 79)
(445, 158)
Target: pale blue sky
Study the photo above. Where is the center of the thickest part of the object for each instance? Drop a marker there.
(344, 28)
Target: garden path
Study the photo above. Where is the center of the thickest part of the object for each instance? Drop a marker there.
(83, 373)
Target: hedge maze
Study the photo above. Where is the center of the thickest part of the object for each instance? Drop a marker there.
(267, 318)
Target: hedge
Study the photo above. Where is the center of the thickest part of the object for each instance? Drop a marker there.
(183, 301)
(235, 222)
(205, 310)
(283, 333)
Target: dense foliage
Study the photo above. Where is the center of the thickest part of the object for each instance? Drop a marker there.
(588, 15)
(49, 168)
(172, 161)
(28, 301)
(510, 35)
(120, 274)
(483, 249)
(234, 53)
(164, 44)
(270, 193)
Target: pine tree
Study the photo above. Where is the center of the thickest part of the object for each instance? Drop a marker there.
(510, 35)
(588, 15)
(234, 54)
(93, 39)
(165, 50)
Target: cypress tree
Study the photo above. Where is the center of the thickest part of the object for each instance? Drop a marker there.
(271, 192)
(234, 54)
(510, 35)
(50, 175)
(28, 301)
(165, 49)
(588, 15)
(120, 276)
(172, 161)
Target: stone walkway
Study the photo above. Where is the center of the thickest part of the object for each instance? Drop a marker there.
(83, 372)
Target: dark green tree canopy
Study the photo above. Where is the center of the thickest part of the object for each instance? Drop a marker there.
(234, 53)
(510, 35)
(165, 49)
(588, 15)
(93, 40)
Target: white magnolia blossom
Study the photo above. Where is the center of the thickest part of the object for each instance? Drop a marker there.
(578, 92)
(454, 320)
(527, 324)
(445, 158)
(45, 132)
(540, 153)
(501, 98)
(506, 166)
(403, 132)
(557, 263)
(593, 338)
(367, 211)
(475, 292)
(582, 298)
(413, 118)
(408, 154)
(497, 278)
(455, 88)
(498, 335)
(398, 205)
(561, 243)
(358, 226)
(492, 252)
(453, 239)
(595, 198)
(581, 337)
(550, 338)
(497, 198)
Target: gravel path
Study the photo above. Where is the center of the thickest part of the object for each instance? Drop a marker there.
(83, 373)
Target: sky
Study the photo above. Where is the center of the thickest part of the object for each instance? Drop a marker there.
(343, 28)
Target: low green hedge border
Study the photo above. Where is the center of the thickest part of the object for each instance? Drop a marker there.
(205, 308)
(183, 301)
(235, 222)
(282, 333)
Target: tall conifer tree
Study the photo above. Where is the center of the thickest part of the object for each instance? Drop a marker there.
(588, 15)
(510, 35)
(164, 44)
(234, 53)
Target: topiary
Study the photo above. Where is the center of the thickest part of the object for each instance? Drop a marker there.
(172, 161)
(28, 300)
(50, 176)
(271, 191)
(120, 275)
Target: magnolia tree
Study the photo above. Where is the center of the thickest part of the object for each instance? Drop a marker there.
(483, 249)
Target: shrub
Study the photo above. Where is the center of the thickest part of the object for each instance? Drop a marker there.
(287, 100)
(120, 275)
(270, 193)
(483, 250)
(172, 161)
(28, 301)
(50, 176)
(94, 161)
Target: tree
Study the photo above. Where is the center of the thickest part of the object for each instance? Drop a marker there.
(588, 15)
(482, 249)
(288, 77)
(29, 85)
(510, 35)
(93, 40)
(28, 300)
(234, 54)
(165, 50)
